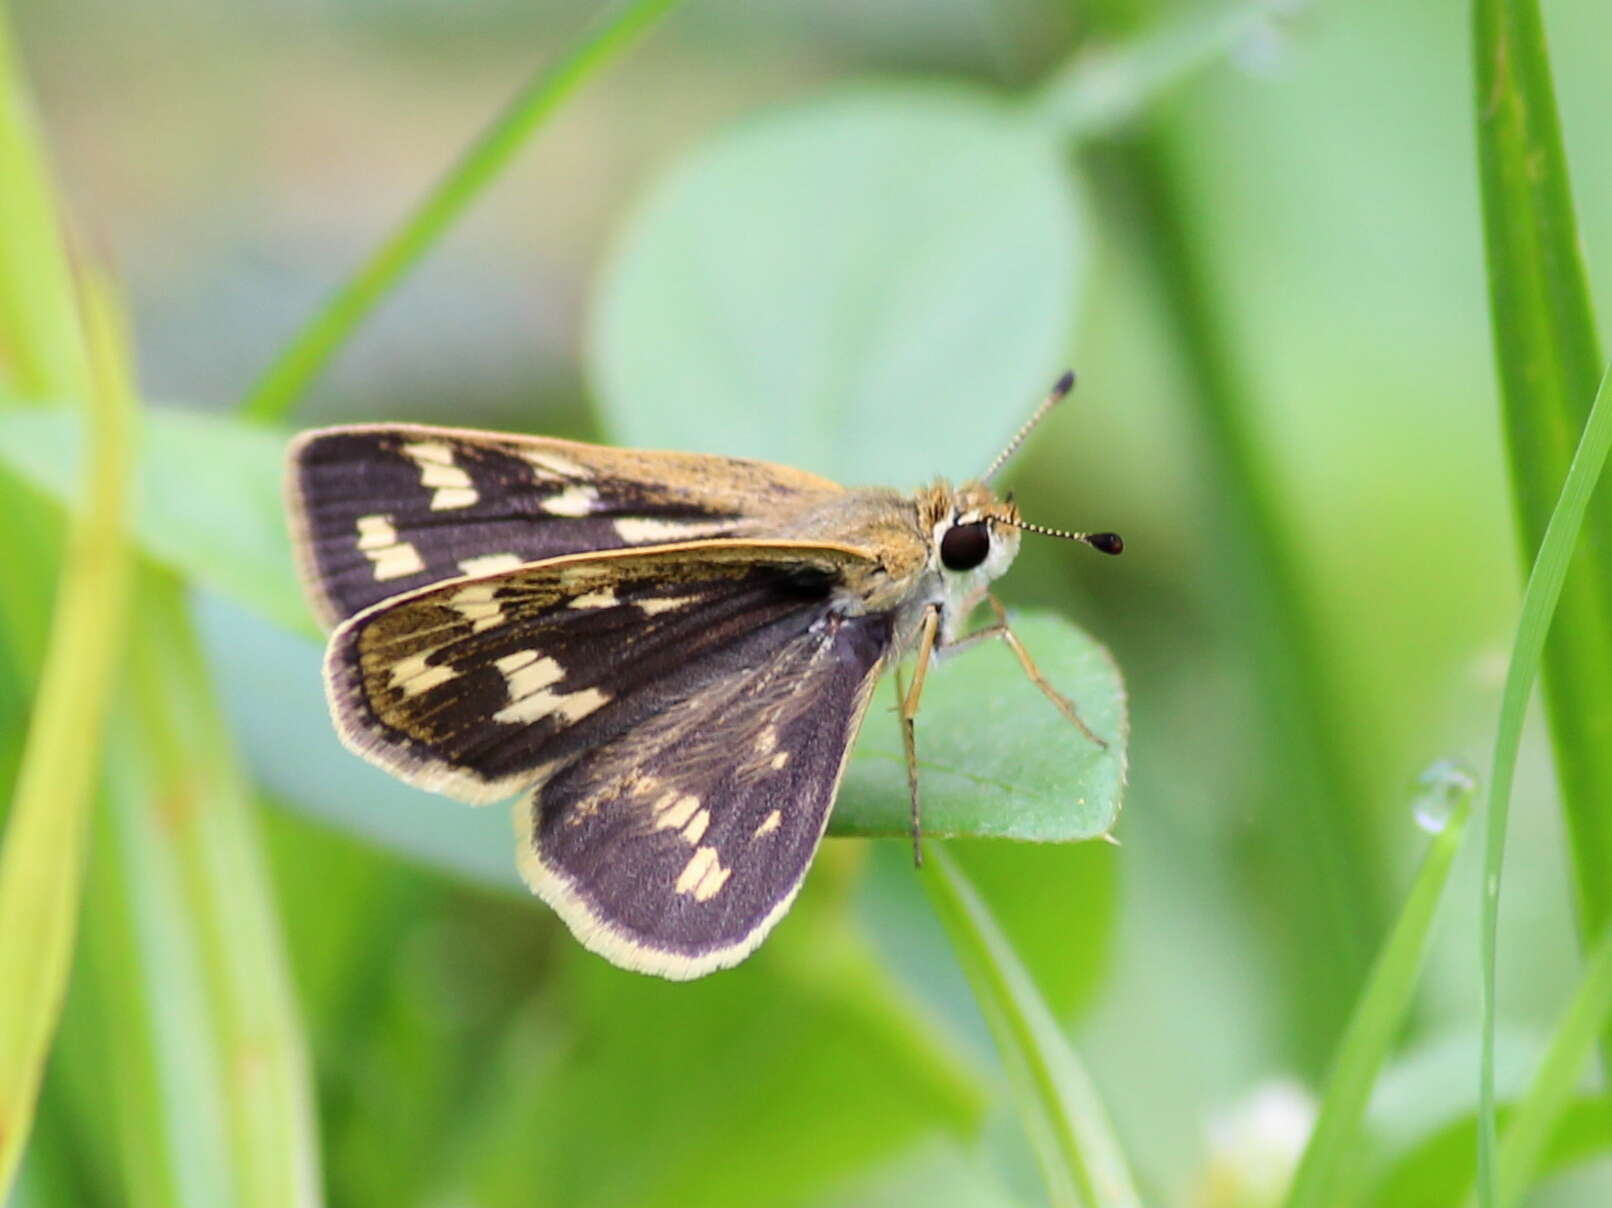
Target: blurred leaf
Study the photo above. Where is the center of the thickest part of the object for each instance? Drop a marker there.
(1100, 89)
(1548, 358)
(873, 285)
(1438, 1171)
(301, 360)
(1536, 1118)
(1062, 1111)
(207, 498)
(42, 858)
(752, 1087)
(1379, 1013)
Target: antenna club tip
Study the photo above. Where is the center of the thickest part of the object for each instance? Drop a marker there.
(1108, 543)
(1064, 384)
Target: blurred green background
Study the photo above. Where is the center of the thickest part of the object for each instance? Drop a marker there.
(1267, 269)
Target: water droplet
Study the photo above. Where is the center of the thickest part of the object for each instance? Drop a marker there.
(1440, 790)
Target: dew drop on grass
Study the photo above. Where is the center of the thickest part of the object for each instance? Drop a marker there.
(1444, 786)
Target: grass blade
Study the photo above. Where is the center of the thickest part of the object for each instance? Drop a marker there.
(210, 834)
(1063, 1114)
(1539, 602)
(1313, 849)
(305, 357)
(1378, 1014)
(42, 863)
(1548, 362)
(41, 354)
(38, 309)
(1533, 1122)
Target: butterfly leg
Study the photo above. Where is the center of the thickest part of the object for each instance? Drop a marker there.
(908, 706)
(1002, 630)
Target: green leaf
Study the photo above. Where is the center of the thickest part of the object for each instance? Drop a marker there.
(207, 498)
(1379, 1013)
(1081, 1160)
(874, 286)
(1548, 361)
(995, 758)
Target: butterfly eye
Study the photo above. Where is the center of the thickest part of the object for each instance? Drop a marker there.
(965, 546)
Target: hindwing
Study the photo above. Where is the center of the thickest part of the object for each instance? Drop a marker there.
(378, 510)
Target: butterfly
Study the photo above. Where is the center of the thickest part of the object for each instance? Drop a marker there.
(668, 654)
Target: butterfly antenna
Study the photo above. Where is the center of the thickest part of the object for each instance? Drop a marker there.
(1107, 543)
(1060, 388)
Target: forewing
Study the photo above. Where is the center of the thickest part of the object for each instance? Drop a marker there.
(483, 686)
(378, 510)
(674, 847)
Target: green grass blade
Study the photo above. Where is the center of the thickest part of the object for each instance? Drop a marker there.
(42, 862)
(1080, 1157)
(1539, 603)
(305, 357)
(1548, 361)
(1533, 1122)
(209, 826)
(1378, 1015)
(1313, 849)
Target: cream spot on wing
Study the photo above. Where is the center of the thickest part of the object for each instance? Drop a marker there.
(605, 597)
(551, 465)
(660, 604)
(639, 530)
(392, 559)
(766, 740)
(528, 679)
(376, 532)
(414, 675)
(768, 824)
(490, 564)
(696, 826)
(450, 484)
(573, 501)
(674, 810)
(779, 760)
(429, 453)
(703, 876)
(476, 604)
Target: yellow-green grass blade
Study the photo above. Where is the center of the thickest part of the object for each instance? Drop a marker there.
(1539, 603)
(41, 356)
(277, 392)
(41, 864)
(42, 350)
(1080, 1157)
(1378, 1015)
(1548, 361)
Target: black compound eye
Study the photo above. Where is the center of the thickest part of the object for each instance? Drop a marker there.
(965, 546)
